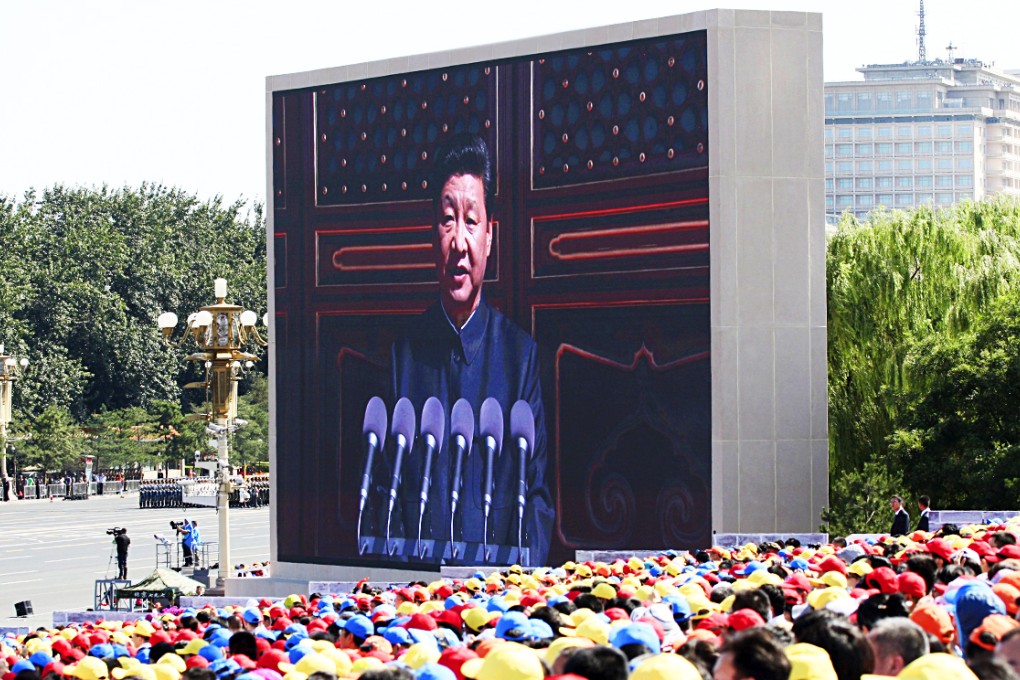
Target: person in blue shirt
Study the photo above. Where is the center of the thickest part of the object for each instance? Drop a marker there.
(460, 347)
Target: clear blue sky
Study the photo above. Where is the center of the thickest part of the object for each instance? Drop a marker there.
(121, 91)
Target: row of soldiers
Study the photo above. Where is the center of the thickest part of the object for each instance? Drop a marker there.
(161, 494)
(255, 494)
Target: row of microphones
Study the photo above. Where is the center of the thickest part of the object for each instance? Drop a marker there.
(462, 433)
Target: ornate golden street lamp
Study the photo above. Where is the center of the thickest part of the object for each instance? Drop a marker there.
(220, 330)
(10, 370)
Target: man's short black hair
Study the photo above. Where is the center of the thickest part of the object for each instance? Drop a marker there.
(463, 154)
(599, 663)
(756, 653)
(924, 501)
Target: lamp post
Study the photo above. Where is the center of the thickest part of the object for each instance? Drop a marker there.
(219, 330)
(10, 370)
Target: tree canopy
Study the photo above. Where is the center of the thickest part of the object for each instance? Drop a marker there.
(84, 272)
(906, 293)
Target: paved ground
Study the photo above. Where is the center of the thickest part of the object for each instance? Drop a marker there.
(52, 553)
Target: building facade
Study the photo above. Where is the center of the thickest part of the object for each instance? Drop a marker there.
(917, 134)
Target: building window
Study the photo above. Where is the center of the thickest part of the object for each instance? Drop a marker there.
(924, 164)
(883, 182)
(944, 130)
(945, 147)
(884, 165)
(964, 130)
(945, 164)
(864, 150)
(964, 181)
(829, 104)
(828, 184)
(865, 166)
(904, 182)
(865, 183)
(905, 199)
(864, 101)
(846, 133)
(924, 182)
(844, 149)
(904, 165)
(884, 148)
(884, 100)
(884, 199)
(924, 131)
(844, 102)
(865, 201)
(964, 147)
(944, 181)
(904, 101)
(885, 132)
(922, 147)
(828, 150)
(963, 196)
(844, 201)
(964, 163)
(944, 198)
(924, 101)
(864, 133)
(844, 166)
(828, 203)
(924, 198)
(904, 132)
(904, 148)
(828, 167)
(828, 133)
(845, 183)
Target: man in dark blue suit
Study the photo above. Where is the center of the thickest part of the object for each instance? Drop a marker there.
(901, 520)
(460, 347)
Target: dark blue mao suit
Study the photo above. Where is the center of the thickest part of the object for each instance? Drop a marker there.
(489, 357)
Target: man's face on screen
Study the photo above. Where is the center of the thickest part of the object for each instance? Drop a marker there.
(462, 240)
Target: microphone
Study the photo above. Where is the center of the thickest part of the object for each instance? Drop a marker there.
(462, 432)
(402, 431)
(490, 427)
(374, 430)
(433, 425)
(522, 432)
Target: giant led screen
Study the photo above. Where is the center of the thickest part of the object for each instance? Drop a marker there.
(492, 309)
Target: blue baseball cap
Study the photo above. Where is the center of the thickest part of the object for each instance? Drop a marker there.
(513, 626)
(435, 671)
(540, 630)
(636, 633)
(101, 650)
(396, 635)
(23, 665)
(360, 626)
(40, 659)
(210, 653)
(252, 615)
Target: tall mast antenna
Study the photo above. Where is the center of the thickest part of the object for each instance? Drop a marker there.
(921, 56)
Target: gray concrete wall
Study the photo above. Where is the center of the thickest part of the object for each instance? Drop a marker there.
(769, 395)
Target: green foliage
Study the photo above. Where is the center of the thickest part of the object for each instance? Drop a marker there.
(84, 272)
(892, 282)
(959, 435)
(859, 500)
(250, 444)
(56, 442)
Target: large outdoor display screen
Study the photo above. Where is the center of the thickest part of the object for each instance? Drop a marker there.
(575, 295)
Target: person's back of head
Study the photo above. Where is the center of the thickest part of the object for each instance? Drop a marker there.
(849, 651)
(755, 653)
(881, 606)
(896, 642)
(754, 600)
(992, 668)
(599, 663)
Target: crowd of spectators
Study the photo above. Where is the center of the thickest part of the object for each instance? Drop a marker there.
(920, 607)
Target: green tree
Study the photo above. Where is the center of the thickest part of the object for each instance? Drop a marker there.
(898, 278)
(55, 443)
(859, 500)
(250, 443)
(959, 437)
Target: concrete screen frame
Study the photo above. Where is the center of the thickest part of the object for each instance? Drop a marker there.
(767, 263)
